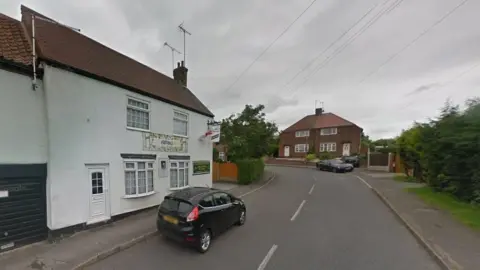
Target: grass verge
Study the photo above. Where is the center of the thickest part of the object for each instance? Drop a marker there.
(466, 213)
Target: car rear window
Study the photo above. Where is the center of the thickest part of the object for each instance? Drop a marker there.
(178, 206)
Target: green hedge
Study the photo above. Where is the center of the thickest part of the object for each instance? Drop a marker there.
(249, 170)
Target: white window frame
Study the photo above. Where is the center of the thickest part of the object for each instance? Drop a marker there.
(328, 131)
(302, 133)
(149, 167)
(303, 146)
(186, 171)
(182, 120)
(328, 147)
(132, 107)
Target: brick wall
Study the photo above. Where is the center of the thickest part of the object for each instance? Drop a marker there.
(347, 134)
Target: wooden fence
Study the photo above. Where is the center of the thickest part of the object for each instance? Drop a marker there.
(224, 172)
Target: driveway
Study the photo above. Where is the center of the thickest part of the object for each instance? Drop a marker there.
(303, 219)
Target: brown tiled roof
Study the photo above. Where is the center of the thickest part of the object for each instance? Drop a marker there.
(14, 46)
(67, 47)
(324, 120)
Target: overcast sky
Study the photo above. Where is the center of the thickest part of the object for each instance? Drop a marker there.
(228, 35)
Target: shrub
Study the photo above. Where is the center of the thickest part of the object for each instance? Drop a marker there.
(324, 155)
(311, 157)
(249, 170)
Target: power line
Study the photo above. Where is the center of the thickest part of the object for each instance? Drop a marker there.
(415, 40)
(269, 46)
(340, 49)
(331, 45)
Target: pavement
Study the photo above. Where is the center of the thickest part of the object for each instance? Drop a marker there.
(303, 219)
(456, 245)
(81, 247)
(224, 185)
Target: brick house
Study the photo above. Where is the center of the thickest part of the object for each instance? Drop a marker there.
(324, 132)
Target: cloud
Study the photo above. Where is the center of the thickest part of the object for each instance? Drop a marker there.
(228, 35)
(422, 88)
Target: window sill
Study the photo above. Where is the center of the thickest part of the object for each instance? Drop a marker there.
(179, 188)
(182, 136)
(138, 129)
(139, 195)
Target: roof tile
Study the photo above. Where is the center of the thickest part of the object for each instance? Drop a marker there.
(13, 44)
(324, 120)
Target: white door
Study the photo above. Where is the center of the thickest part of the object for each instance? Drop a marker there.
(286, 151)
(99, 199)
(346, 149)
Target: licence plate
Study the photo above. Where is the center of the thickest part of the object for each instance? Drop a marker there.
(170, 219)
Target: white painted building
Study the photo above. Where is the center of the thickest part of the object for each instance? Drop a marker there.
(115, 135)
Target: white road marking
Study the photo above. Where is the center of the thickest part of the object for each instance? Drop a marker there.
(251, 191)
(267, 257)
(314, 178)
(365, 182)
(311, 190)
(298, 211)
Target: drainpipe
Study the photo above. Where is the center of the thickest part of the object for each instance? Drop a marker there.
(34, 56)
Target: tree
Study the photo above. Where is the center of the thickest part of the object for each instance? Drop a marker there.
(248, 134)
(409, 148)
(445, 152)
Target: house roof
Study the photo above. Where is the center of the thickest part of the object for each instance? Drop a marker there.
(14, 46)
(323, 120)
(65, 47)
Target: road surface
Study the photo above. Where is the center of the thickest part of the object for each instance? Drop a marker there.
(303, 219)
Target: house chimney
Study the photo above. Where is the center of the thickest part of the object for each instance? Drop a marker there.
(318, 109)
(180, 74)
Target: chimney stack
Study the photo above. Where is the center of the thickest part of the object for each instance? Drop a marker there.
(318, 109)
(180, 74)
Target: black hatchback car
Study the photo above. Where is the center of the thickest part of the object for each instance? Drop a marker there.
(197, 214)
(334, 165)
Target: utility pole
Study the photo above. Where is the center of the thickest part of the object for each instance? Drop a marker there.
(173, 51)
(185, 32)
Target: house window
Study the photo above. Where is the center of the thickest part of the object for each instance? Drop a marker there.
(138, 177)
(328, 147)
(178, 174)
(301, 148)
(221, 156)
(328, 131)
(180, 124)
(302, 133)
(138, 114)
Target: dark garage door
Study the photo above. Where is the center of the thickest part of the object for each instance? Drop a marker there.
(22, 205)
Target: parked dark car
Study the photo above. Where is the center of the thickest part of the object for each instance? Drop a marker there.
(334, 165)
(354, 160)
(197, 214)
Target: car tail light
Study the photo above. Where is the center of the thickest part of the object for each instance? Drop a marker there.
(193, 215)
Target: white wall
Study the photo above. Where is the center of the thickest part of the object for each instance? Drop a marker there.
(87, 124)
(23, 129)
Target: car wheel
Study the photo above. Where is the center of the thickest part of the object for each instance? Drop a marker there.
(242, 217)
(205, 241)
